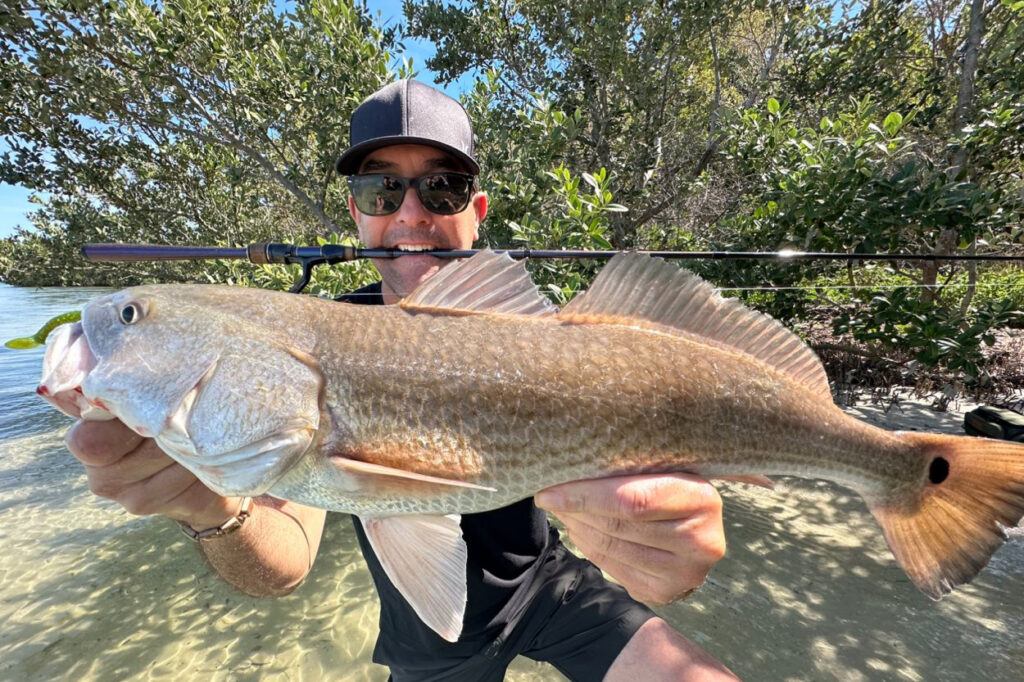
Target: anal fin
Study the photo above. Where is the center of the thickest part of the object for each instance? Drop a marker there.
(425, 557)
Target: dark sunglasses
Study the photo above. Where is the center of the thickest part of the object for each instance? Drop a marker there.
(380, 194)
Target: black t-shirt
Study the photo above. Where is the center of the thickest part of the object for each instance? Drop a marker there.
(503, 545)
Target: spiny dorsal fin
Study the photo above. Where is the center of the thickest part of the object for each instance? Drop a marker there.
(634, 288)
(486, 283)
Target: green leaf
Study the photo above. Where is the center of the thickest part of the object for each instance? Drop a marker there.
(773, 106)
(893, 122)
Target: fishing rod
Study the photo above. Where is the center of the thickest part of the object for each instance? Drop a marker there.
(311, 256)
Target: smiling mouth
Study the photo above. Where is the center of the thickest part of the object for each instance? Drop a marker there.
(416, 248)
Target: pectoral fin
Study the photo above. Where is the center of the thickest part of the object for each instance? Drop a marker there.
(379, 477)
(425, 559)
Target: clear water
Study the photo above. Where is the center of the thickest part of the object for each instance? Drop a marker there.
(88, 592)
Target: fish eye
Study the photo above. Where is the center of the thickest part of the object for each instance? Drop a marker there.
(130, 313)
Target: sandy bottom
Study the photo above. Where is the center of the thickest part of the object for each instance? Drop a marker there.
(808, 591)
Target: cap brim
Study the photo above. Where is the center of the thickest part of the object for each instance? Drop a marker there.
(348, 163)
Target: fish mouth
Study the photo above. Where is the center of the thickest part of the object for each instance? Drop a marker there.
(66, 364)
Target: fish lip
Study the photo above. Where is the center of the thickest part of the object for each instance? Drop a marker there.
(68, 361)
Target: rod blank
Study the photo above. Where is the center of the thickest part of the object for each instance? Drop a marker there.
(333, 253)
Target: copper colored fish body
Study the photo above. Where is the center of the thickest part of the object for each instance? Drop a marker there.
(517, 404)
(475, 393)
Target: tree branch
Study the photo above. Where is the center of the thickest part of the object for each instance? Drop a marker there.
(229, 138)
(965, 96)
(713, 123)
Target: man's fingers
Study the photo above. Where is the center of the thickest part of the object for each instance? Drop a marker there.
(99, 443)
(643, 557)
(137, 466)
(134, 472)
(678, 536)
(641, 498)
(156, 494)
(657, 535)
(641, 585)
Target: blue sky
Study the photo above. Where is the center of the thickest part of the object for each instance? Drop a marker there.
(13, 207)
(14, 203)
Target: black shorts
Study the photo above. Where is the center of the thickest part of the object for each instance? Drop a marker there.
(570, 616)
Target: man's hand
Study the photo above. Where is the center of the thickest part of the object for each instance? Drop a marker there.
(134, 472)
(269, 557)
(657, 535)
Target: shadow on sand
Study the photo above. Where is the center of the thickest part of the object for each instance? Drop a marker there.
(810, 591)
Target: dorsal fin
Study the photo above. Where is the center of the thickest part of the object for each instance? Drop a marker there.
(486, 283)
(637, 289)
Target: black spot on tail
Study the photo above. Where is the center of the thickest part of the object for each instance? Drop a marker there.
(939, 470)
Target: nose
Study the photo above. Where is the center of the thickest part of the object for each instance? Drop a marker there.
(412, 212)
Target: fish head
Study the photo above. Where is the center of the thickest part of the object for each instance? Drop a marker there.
(226, 397)
(147, 355)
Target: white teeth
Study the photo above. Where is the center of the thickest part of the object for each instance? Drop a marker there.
(411, 248)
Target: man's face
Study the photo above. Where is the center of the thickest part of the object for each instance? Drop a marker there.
(412, 225)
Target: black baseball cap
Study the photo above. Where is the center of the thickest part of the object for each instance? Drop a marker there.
(408, 112)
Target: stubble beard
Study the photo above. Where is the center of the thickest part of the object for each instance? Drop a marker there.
(402, 278)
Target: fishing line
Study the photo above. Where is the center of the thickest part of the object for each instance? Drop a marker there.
(872, 287)
(808, 287)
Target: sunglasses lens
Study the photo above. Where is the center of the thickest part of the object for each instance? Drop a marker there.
(445, 193)
(441, 193)
(376, 194)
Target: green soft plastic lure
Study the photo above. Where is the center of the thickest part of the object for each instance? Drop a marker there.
(39, 338)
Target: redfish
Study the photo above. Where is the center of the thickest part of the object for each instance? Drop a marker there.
(475, 392)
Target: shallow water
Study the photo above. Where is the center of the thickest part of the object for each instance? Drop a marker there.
(808, 590)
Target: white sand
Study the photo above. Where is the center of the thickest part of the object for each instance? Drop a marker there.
(808, 591)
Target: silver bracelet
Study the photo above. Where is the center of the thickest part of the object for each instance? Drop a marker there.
(229, 526)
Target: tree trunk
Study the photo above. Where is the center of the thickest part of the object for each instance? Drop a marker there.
(950, 238)
(965, 96)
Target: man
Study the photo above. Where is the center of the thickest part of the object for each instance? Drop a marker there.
(413, 187)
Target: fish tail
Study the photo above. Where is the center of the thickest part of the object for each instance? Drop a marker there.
(945, 531)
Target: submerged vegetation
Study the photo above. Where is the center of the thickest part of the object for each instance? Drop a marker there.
(855, 127)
